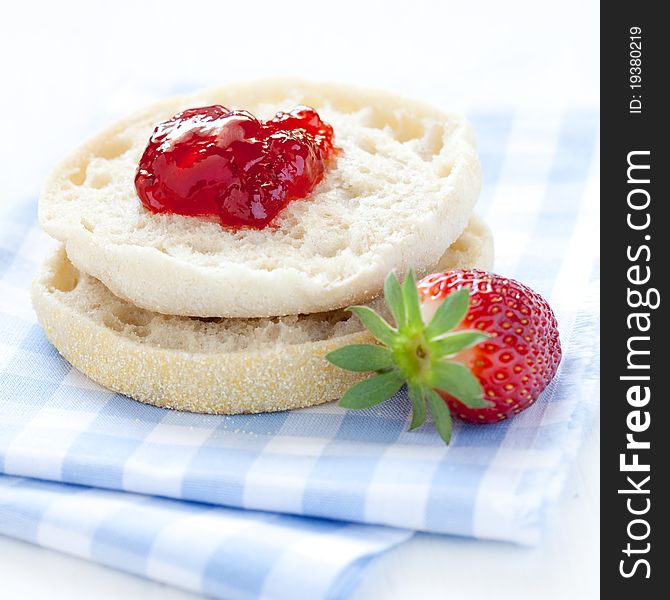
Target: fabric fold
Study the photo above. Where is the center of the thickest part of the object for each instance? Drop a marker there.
(220, 552)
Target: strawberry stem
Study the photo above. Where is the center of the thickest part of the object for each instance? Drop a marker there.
(414, 352)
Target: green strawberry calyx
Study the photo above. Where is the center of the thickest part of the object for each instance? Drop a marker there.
(421, 355)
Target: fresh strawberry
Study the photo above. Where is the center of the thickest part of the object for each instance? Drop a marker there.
(482, 345)
(521, 357)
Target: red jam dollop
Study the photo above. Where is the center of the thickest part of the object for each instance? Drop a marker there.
(228, 164)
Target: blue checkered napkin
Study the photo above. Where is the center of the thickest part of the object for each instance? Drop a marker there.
(222, 552)
(540, 196)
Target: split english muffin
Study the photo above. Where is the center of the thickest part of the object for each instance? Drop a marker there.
(183, 309)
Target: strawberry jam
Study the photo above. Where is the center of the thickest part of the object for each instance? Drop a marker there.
(228, 164)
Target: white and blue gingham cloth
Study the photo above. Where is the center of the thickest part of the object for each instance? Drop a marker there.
(541, 198)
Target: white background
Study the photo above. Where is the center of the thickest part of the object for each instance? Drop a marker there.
(68, 65)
